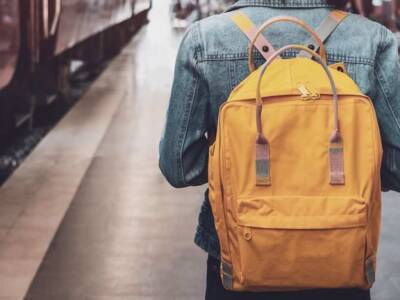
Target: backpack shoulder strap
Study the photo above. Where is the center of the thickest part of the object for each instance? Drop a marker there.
(249, 29)
(266, 49)
(325, 29)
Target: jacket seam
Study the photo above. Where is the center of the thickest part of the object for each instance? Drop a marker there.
(381, 48)
(279, 4)
(189, 105)
(393, 165)
(244, 56)
(390, 157)
(380, 76)
(381, 82)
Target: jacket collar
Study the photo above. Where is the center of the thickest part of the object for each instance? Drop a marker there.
(281, 4)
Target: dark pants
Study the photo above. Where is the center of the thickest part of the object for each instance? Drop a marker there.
(215, 290)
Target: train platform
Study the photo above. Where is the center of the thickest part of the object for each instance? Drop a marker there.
(88, 216)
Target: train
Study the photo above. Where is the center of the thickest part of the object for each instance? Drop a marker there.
(40, 38)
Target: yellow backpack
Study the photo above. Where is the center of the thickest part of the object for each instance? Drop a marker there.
(294, 177)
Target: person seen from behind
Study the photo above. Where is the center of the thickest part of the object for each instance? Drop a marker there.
(212, 61)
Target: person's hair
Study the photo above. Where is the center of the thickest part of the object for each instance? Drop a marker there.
(338, 3)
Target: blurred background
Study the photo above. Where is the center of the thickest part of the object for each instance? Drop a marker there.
(385, 11)
(84, 210)
(49, 48)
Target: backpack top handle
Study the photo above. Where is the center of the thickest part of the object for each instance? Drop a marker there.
(336, 154)
(293, 20)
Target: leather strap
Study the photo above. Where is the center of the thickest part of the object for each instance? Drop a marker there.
(285, 19)
(249, 29)
(336, 155)
(325, 29)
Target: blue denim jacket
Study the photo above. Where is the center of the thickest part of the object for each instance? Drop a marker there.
(212, 60)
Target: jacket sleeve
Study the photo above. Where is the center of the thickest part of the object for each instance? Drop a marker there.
(184, 146)
(387, 104)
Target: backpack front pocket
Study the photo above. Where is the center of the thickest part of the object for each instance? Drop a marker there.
(302, 242)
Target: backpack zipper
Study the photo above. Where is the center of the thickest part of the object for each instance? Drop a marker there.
(307, 93)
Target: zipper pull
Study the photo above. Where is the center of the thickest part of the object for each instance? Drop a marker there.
(307, 93)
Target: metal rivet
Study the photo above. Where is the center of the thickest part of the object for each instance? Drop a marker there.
(247, 234)
(265, 48)
(311, 46)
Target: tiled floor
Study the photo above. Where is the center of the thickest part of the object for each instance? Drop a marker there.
(34, 200)
(388, 278)
(127, 234)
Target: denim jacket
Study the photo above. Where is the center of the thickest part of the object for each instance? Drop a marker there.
(212, 60)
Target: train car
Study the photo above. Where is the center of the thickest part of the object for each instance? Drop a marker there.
(40, 38)
(10, 47)
(82, 19)
(9, 40)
